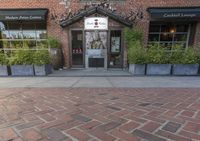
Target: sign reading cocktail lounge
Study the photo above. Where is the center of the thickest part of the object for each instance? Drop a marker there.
(96, 23)
(179, 15)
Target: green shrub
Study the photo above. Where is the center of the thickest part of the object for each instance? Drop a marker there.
(22, 56)
(41, 57)
(187, 56)
(54, 42)
(136, 54)
(3, 59)
(157, 55)
(133, 35)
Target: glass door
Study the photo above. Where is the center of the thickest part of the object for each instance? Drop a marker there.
(115, 50)
(77, 50)
(96, 49)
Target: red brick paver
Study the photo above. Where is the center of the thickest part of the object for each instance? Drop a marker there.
(83, 114)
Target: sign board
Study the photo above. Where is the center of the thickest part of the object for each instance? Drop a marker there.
(20, 17)
(23, 14)
(96, 23)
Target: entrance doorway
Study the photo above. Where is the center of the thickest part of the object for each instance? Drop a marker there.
(77, 49)
(96, 49)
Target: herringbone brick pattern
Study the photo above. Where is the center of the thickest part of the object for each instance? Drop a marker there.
(99, 114)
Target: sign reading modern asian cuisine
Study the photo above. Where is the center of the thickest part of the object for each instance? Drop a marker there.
(96, 23)
(23, 14)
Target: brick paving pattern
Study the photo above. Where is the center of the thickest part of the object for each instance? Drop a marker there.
(83, 114)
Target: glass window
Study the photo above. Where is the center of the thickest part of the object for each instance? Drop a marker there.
(16, 34)
(16, 44)
(154, 28)
(169, 35)
(20, 34)
(41, 34)
(154, 37)
(29, 34)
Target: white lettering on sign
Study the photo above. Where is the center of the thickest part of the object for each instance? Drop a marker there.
(23, 17)
(96, 23)
(176, 15)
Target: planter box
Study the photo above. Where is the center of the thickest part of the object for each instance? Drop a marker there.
(42, 70)
(159, 69)
(22, 70)
(185, 69)
(4, 70)
(137, 69)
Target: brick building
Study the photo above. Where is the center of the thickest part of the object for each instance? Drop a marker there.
(86, 45)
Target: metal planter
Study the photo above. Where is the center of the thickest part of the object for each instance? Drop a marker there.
(22, 70)
(158, 69)
(42, 70)
(4, 70)
(185, 69)
(137, 69)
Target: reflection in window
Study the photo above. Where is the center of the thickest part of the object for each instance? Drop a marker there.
(22, 34)
(15, 34)
(29, 34)
(41, 34)
(169, 35)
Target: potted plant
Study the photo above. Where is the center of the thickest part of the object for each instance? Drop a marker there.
(41, 62)
(158, 61)
(22, 62)
(185, 62)
(136, 54)
(55, 52)
(136, 59)
(3, 65)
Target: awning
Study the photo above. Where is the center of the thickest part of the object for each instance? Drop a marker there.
(175, 13)
(23, 14)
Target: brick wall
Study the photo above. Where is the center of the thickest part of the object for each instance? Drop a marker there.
(55, 30)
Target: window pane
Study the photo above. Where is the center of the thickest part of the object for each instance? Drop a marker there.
(29, 34)
(153, 37)
(168, 28)
(180, 37)
(42, 44)
(4, 44)
(167, 45)
(4, 34)
(182, 28)
(42, 34)
(28, 26)
(30, 43)
(154, 28)
(16, 44)
(166, 37)
(41, 26)
(15, 34)
(14, 25)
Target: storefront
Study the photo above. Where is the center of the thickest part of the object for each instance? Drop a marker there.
(97, 41)
(23, 28)
(173, 26)
(93, 37)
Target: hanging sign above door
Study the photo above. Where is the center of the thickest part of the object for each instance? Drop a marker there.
(96, 23)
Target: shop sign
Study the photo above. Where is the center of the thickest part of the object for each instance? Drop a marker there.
(18, 17)
(96, 23)
(179, 15)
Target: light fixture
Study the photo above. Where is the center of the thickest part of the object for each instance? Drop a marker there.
(172, 30)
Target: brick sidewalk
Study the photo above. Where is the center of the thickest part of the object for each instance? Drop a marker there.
(82, 114)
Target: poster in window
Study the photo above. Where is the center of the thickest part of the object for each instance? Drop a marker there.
(115, 44)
